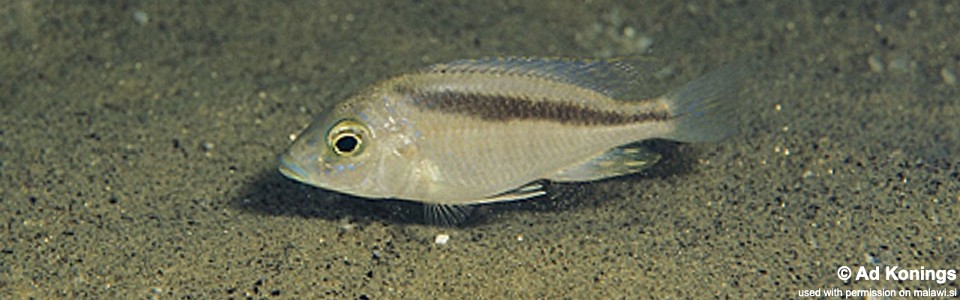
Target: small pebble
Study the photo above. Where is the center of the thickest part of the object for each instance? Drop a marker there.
(644, 43)
(876, 65)
(441, 239)
(948, 76)
(141, 17)
(901, 64)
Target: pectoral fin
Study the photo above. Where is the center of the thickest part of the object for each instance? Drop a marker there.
(452, 214)
(446, 214)
(613, 162)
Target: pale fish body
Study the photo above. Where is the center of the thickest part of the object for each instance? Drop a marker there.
(482, 131)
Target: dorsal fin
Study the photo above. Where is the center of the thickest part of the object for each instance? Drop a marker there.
(617, 79)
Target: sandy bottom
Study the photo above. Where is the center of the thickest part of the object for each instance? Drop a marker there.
(138, 145)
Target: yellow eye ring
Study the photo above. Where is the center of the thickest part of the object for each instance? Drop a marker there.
(346, 138)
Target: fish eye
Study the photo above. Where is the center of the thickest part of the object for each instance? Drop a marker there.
(346, 138)
(346, 143)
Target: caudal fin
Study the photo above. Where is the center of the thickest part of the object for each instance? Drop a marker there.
(708, 109)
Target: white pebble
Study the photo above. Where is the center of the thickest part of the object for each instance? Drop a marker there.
(141, 17)
(644, 43)
(948, 76)
(875, 64)
(901, 64)
(441, 239)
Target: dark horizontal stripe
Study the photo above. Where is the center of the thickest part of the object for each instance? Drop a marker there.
(508, 108)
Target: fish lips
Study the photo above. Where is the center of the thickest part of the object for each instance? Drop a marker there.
(290, 169)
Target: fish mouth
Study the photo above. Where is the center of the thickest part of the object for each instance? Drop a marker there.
(290, 169)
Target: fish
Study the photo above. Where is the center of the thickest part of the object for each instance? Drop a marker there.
(490, 130)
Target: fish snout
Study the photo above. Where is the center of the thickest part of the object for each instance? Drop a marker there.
(290, 168)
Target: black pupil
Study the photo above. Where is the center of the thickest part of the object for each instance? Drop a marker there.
(346, 143)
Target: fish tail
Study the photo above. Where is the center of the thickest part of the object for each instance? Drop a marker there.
(707, 109)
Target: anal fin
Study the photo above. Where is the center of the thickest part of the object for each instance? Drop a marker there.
(527, 191)
(616, 161)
